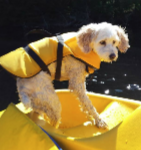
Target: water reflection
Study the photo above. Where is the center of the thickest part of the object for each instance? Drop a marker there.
(133, 87)
(118, 90)
(102, 82)
(107, 91)
(94, 80)
(111, 79)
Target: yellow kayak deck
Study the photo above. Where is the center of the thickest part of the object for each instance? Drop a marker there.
(76, 132)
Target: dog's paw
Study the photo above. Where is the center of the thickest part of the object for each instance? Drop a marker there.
(101, 124)
(53, 122)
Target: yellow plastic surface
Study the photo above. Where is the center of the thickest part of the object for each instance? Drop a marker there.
(18, 132)
(76, 132)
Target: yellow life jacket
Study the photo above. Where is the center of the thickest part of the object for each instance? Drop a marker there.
(19, 63)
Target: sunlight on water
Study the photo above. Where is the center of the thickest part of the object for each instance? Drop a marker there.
(111, 79)
(106, 91)
(94, 80)
(133, 87)
(101, 82)
(118, 90)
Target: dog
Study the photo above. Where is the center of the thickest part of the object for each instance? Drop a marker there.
(37, 92)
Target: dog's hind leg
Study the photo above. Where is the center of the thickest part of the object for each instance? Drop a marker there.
(48, 105)
(25, 99)
(40, 93)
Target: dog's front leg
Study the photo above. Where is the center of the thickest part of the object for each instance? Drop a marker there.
(77, 85)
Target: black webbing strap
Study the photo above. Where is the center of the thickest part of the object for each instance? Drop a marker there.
(59, 57)
(37, 59)
(87, 65)
(87, 70)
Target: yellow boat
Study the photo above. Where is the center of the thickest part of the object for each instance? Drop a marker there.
(123, 117)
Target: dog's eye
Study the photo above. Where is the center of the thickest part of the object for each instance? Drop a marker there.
(114, 42)
(103, 42)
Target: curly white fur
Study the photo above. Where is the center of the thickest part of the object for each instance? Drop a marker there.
(38, 92)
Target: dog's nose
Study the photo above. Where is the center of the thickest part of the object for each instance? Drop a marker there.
(112, 56)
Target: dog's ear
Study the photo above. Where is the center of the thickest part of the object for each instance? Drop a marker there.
(85, 36)
(124, 41)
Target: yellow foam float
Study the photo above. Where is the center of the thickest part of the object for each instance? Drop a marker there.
(123, 117)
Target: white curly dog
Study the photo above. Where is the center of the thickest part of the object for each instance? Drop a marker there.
(38, 92)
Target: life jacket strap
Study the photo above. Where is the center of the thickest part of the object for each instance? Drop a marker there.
(87, 70)
(87, 65)
(59, 57)
(37, 59)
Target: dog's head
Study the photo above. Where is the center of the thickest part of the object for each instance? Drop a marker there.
(104, 38)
